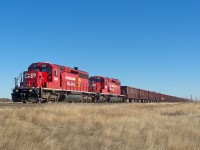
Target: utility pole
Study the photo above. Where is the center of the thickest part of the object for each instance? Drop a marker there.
(191, 97)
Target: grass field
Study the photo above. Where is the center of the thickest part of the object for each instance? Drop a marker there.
(101, 126)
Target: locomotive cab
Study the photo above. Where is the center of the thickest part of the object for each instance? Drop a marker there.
(96, 84)
(37, 77)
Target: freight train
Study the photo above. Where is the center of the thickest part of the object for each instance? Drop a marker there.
(45, 82)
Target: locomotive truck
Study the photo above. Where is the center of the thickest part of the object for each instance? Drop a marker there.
(46, 82)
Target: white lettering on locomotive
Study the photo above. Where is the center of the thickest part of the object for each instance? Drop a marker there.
(26, 75)
(33, 75)
(70, 78)
(112, 88)
(71, 83)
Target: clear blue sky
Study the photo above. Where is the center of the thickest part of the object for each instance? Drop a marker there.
(153, 45)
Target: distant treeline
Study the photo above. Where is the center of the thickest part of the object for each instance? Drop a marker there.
(5, 100)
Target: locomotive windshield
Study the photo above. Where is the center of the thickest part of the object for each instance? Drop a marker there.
(42, 68)
(35, 68)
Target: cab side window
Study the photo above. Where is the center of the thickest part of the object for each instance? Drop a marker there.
(56, 73)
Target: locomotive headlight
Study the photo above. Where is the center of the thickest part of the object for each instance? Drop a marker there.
(30, 90)
(16, 90)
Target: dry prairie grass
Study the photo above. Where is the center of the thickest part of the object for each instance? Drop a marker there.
(101, 126)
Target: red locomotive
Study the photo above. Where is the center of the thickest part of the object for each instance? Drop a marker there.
(49, 82)
(46, 82)
(107, 89)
